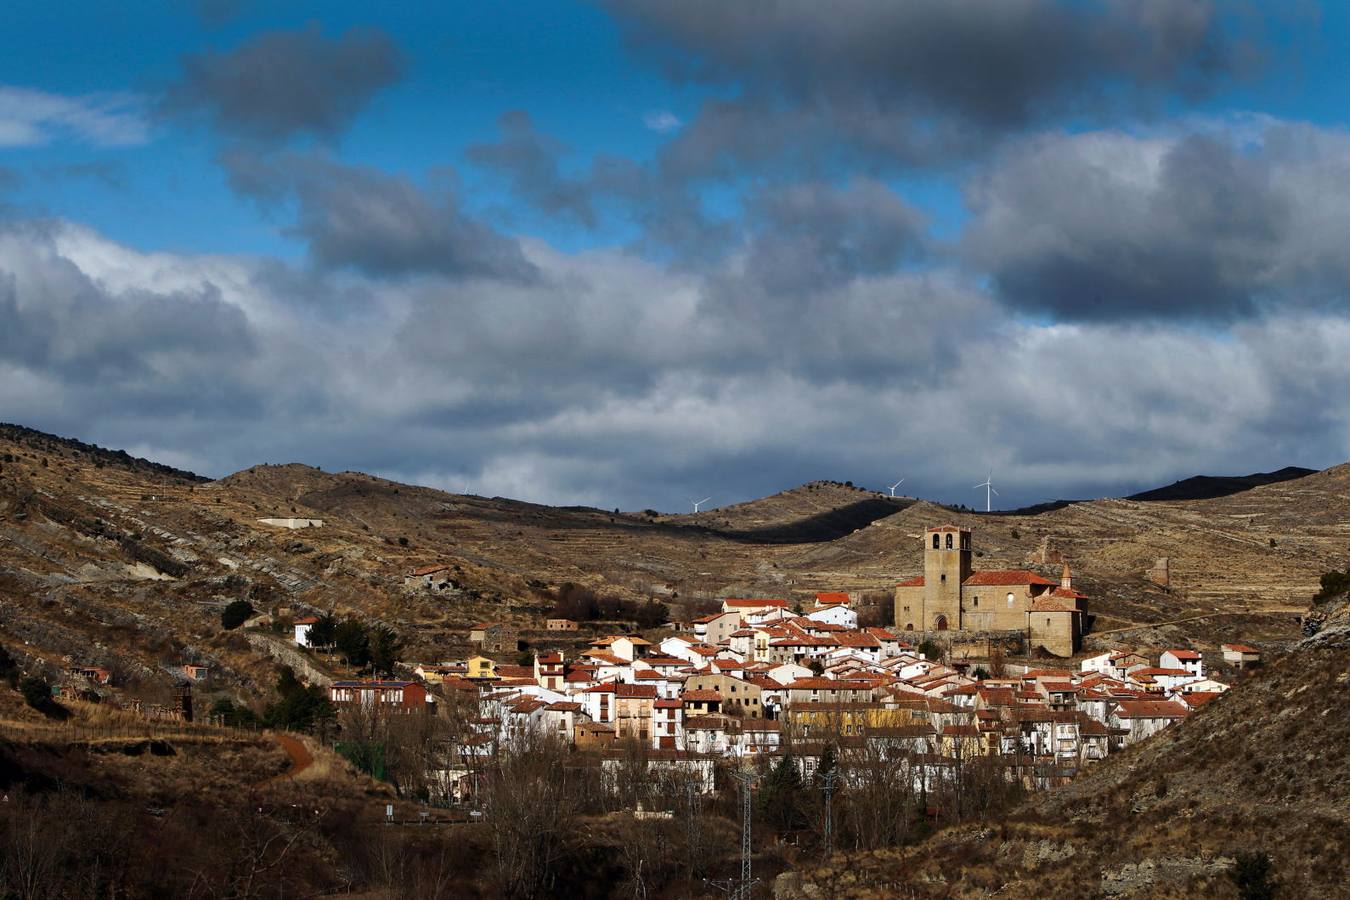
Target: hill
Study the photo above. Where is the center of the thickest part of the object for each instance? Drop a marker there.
(108, 561)
(1259, 770)
(1208, 487)
(815, 512)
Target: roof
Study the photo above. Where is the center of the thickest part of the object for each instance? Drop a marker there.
(307, 620)
(1199, 698)
(755, 603)
(564, 706)
(946, 528)
(832, 597)
(700, 696)
(916, 581)
(668, 704)
(1240, 648)
(1009, 577)
(428, 570)
(1151, 709)
(636, 691)
(1049, 604)
(381, 685)
(1184, 654)
(829, 684)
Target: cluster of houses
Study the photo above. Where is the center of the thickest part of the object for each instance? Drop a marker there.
(757, 679)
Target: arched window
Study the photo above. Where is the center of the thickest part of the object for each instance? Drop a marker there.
(1010, 598)
(941, 623)
(936, 545)
(949, 540)
(909, 627)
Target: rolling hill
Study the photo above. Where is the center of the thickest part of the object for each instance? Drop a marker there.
(107, 560)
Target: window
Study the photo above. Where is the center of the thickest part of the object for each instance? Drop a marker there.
(977, 601)
(936, 545)
(949, 541)
(1010, 598)
(944, 576)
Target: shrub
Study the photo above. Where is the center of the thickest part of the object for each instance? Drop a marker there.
(1333, 584)
(235, 614)
(930, 649)
(9, 669)
(37, 693)
(1253, 875)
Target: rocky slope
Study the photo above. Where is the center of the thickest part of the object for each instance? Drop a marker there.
(1262, 769)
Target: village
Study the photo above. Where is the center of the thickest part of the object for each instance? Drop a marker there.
(755, 682)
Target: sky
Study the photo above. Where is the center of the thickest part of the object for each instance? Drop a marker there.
(632, 253)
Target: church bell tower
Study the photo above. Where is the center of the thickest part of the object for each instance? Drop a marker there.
(946, 566)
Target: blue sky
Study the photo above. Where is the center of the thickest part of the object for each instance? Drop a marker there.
(625, 251)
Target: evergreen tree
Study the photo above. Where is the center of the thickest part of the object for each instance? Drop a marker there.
(385, 649)
(353, 642)
(323, 632)
(780, 796)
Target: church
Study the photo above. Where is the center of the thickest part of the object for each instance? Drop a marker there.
(951, 596)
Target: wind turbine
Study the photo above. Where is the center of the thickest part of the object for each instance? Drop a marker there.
(698, 503)
(896, 485)
(988, 485)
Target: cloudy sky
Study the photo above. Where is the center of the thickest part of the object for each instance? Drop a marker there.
(632, 253)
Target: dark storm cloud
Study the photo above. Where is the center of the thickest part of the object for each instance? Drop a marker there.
(530, 160)
(358, 217)
(1109, 226)
(919, 79)
(285, 83)
(811, 236)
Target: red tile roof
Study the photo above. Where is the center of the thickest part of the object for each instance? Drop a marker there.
(700, 696)
(1151, 709)
(1240, 648)
(1050, 604)
(916, 581)
(1184, 654)
(755, 603)
(307, 620)
(832, 597)
(997, 577)
(636, 691)
(668, 704)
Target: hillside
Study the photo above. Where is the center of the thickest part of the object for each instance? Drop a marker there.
(113, 562)
(1209, 487)
(1261, 769)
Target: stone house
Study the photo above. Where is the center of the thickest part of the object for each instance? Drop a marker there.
(1241, 656)
(739, 697)
(494, 637)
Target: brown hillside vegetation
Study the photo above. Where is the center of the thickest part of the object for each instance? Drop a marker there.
(1262, 770)
(108, 561)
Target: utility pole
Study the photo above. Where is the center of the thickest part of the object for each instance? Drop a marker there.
(744, 887)
(828, 781)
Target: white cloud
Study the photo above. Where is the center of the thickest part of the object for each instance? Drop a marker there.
(33, 118)
(617, 383)
(662, 121)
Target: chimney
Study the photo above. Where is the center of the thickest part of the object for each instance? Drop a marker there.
(1066, 580)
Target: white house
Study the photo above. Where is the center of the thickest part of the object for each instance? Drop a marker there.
(835, 615)
(1142, 719)
(1189, 660)
(1240, 655)
(302, 627)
